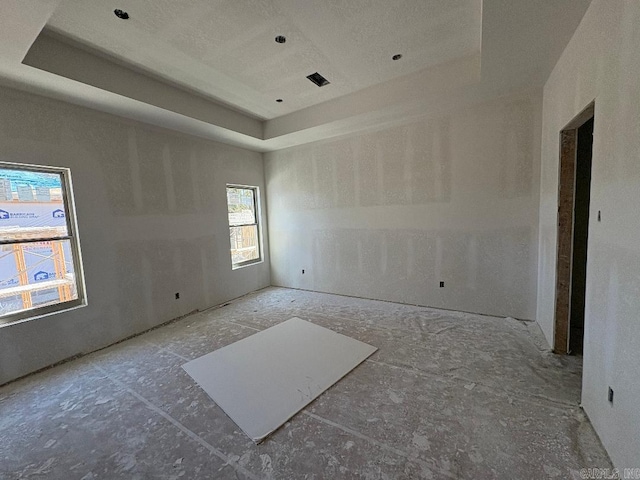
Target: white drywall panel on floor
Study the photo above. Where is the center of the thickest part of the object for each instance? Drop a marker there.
(601, 63)
(263, 380)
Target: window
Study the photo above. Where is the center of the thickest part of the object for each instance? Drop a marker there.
(40, 269)
(242, 203)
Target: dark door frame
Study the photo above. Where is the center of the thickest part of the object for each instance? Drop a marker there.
(566, 205)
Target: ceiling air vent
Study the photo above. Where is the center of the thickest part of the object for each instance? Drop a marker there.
(318, 79)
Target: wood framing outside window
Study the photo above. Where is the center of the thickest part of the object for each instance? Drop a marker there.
(40, 267)
(244, 225)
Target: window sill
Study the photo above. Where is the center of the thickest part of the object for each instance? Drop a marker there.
(38, 315)
(244, 265)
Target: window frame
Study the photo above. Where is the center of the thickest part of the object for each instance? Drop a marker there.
(71, 236)
(257, 214)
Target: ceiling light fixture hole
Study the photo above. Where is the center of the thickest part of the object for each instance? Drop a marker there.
(121, 14)
(281, 39)
(397, 56)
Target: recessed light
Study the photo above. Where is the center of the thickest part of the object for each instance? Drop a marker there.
(281, 39)
(121, 14)
(279, 100)
(397, 56)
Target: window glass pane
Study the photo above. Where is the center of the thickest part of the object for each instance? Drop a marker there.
(241, 206)
(36, 274)
(31, 205)
(244, 244)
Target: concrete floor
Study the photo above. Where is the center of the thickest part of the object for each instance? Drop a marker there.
(448, 395)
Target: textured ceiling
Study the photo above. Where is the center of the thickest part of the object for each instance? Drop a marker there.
(521, 42)
(225, 49)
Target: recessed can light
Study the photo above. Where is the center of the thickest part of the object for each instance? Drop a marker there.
(397, 56)
(279, 100)
(121, 14)
(281, 39)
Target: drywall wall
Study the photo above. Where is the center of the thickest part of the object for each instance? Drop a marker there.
(389, 214)
(601, 62)
(152, 218)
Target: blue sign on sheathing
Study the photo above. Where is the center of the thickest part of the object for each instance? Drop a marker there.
(32, 214)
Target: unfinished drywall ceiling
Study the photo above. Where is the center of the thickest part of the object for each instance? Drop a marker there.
(226, 48)
(53, 54)
(601, 63)
(520, 42)
(152, 219)
(22, 23)
(392, 213)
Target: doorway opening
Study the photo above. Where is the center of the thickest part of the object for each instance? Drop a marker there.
(574, 194)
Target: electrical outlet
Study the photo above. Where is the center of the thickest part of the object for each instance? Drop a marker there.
(177, 295)
(441, 284)
(610, 396)
(599, 216)
(303, 271)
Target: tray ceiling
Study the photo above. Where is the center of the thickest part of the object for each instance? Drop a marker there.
(225, 49)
